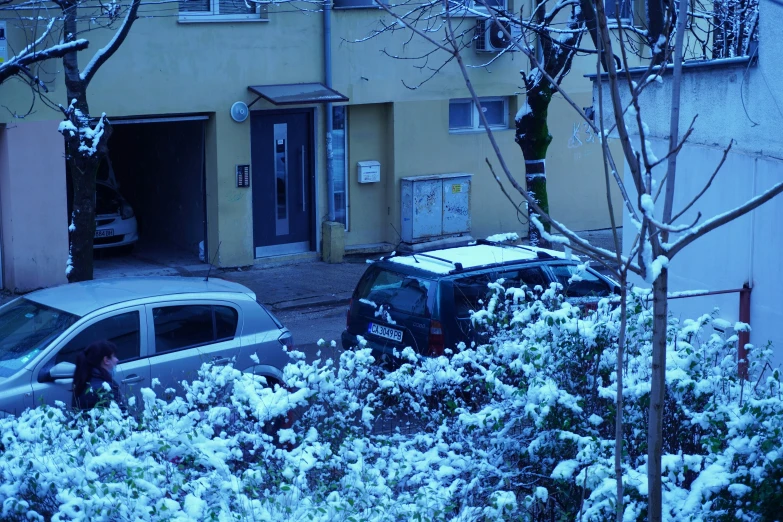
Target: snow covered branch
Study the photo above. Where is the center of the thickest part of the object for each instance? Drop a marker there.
(106, 52)
(721, 219)
(20, 63)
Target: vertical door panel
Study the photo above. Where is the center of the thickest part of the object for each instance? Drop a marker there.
(282, 171)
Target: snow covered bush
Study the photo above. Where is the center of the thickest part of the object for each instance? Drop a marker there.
(519, 428)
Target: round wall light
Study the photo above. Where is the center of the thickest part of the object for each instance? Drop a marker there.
(239, 111)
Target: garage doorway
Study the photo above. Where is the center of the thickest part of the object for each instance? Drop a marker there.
(158, 167)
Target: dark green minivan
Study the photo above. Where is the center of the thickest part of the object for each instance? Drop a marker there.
(424, 300)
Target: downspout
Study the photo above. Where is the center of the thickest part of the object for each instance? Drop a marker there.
(328, 108)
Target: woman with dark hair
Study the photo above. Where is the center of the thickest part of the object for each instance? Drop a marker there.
(94, 367)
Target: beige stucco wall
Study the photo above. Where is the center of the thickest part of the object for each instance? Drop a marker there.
(168, 68)
(422, 144)
(33, 206)
(369, 139)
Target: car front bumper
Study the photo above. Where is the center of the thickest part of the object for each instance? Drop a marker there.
(125, 232)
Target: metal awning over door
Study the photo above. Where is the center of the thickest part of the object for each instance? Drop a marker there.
(297, 93)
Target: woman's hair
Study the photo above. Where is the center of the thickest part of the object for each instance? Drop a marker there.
(90, 358)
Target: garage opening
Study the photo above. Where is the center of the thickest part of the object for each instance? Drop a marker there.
(157, 167)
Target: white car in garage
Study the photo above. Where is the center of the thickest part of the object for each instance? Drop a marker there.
(115, 221)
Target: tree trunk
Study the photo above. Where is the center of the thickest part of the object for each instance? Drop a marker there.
(533, 138)
(618, 427)
(82, 166)
(82, 230)
(657, 395)
(655, 29)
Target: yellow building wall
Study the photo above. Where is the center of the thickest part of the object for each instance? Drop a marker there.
(165, 68)
(369, 139)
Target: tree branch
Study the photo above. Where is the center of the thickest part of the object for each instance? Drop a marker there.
(105, 53)
(28, 56)
(720, 220)
(709, 182)
(597, 253)
(676, 149)
(674, 122)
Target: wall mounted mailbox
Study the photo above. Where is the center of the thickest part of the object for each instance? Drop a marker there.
(369, 171)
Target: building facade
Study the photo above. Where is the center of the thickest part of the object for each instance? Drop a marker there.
(256, 187)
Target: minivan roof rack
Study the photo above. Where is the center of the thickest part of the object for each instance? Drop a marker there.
(457, 265)
(539, 253)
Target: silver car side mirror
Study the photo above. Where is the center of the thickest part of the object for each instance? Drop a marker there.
(63, 370)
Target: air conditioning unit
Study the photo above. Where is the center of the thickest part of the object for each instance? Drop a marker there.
(491, 38)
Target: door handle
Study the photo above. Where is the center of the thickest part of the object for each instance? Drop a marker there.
(220, 360)
(131, 379)
(304, 203)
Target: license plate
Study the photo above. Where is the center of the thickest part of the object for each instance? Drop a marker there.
(385, 331)
(104, 233)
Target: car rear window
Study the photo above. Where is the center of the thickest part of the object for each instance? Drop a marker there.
(400, 292)
(580, 283)
(183, 326)
(471, 293)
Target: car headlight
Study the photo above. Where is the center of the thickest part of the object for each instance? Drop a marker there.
(126, 211)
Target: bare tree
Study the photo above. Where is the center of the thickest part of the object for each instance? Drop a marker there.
(86, 141)
(85, 137)
(659, 238)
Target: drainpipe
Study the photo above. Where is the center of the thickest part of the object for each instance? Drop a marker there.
(743, 337)
(328, 108)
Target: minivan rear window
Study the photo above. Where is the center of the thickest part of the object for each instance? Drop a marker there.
(400, 292)
(580, 283)
(472, 293)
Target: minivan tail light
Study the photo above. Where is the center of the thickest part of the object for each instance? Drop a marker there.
(437, 343)
(348, 314)
(590, 306)
(287, 340)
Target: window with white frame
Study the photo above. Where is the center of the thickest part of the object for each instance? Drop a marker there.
(339, 153)
(469, 7)
(624, 7)
(464, 114)
(221, 10)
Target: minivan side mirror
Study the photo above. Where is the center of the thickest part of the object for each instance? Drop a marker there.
(63, 370)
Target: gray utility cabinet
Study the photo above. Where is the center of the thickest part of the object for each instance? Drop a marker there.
(435, 207)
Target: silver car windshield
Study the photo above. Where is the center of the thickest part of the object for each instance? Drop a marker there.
(26, 327)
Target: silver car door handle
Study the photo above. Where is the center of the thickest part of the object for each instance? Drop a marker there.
(132, 379)
(221, 360)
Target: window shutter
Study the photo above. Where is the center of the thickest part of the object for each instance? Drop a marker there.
(194, 6)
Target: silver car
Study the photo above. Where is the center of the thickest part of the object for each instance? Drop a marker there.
(164, 328)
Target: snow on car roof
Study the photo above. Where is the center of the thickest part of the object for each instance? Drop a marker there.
(471, 256)
(88, 296)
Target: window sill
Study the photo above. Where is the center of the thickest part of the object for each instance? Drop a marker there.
(626, 22)
(479, 131)
(356, 7)
(209, 18)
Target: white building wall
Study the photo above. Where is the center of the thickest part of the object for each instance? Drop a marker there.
(747, 250)
(743, 103)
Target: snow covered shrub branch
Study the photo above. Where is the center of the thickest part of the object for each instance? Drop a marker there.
(519, 427)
